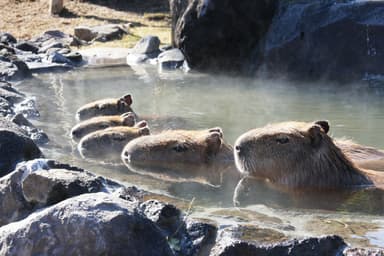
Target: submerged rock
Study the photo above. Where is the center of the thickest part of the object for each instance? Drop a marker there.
(171, 59)
(97, 224)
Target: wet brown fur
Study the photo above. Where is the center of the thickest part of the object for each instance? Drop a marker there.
(302, 155)
(110, 142)
(101, 122)
(181, 155)
(105, 107)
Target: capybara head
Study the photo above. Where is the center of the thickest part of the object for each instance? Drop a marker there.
(295, 154)
(107, 144)
(105, 107)
(180, 155)
(101, 122)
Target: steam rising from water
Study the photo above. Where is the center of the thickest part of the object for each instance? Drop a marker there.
(234, 103)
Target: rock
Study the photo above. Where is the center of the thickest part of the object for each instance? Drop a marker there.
(7, 38)
(90, 224)
(27, 47)
(220, 35)
(51, 36)
(10, 95)
(363, 252)
(335, 40)
(85, 33)
(100, 33)
(27, 108)
(326, 245)
(187, 238)
(137, 58)
(147, 45)
(58, 58)
(171, 59)
(52, 43)
(46, 67)
(56, 185)
(177, 9)
(15, 146)
(74, 57)
(105, 57)
(14, 69)
(5, 107)
(37, 135)
(43, 182)
(6, 48)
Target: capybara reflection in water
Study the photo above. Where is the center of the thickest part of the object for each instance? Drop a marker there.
(302, 155)
(182, 155)
(107, 144)
(105, 107)
(101, 122)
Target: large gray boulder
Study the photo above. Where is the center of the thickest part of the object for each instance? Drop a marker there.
(90, 224)
(42, 182)
(336, 40)
(220, 34)
(16, 146)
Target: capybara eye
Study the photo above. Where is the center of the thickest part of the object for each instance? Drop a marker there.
(282, 140)
(180, 148)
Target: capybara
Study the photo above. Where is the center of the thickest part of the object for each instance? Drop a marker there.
(106, 145)
(105, 107)
(182, 155)
(101, 122)
(300, 155)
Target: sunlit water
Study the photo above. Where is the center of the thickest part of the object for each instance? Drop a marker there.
(237, 105)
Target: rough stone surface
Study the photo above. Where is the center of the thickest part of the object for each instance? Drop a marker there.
(148, 44)
(37, 135)
(42, 182)
(90, 224)
(171, 59)
(336, 40)
(186, 237)
(100, 33)
(27, 47)
(363, 252)
(220, 35)
(327, 245)
(15, 146)
(7, 38)
(105, 57)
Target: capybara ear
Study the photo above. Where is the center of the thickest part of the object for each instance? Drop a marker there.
(127, 99)
(141, 124)
(129, 119)
(144, 130)
(324, 125)
(121, 104)
(213, 141)
(218, 130)
(315, 135)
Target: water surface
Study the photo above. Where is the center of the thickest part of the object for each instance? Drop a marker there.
(236, 104)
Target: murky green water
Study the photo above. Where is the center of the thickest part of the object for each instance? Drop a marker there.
(236, 105)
